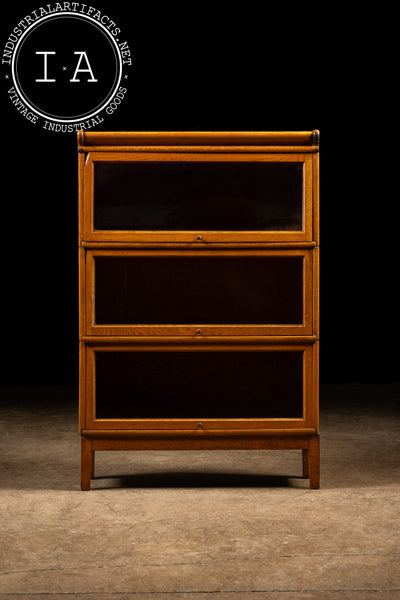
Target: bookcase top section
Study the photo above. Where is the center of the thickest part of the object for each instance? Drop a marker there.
(301, 141)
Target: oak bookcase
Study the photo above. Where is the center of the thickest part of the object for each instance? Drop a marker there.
(199, 292)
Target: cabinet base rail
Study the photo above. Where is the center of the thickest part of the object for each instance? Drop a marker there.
(92, 441)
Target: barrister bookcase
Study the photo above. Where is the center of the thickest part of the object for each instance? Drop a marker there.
(199, 292)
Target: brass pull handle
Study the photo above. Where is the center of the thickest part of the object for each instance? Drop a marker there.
(198, 330)
(198, 237)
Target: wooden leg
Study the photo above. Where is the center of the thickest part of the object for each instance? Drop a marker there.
(314, 462)
(86, 463)
(306, 464)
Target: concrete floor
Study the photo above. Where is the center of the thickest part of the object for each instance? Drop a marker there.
(200, 525)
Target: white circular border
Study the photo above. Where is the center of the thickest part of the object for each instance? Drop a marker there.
(59, 15)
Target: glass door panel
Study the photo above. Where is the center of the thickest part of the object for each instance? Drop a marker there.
(198, 384)
(202, 289)
(198, 196)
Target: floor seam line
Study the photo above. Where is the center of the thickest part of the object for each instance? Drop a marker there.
(182, 564)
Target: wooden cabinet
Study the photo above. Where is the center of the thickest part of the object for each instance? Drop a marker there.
(199, 292)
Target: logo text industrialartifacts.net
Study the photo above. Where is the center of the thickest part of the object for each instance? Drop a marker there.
(67, 66)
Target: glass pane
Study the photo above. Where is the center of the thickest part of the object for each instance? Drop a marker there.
(199, 384)
(201, 289)
(198, 196)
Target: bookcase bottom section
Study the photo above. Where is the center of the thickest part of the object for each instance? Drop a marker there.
(138, 387)
(94, 441)
(199, 397)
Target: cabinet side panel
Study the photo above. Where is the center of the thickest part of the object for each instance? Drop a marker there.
(308, 197)
(82, 286)
(81, 172)
(82, 386)
(316, 385)
(308, 386)
(90, 387)
(316, 291)
(315, 158)
(307, 292)
(87, 211)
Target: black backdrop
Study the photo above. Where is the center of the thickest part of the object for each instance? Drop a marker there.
(226, 69)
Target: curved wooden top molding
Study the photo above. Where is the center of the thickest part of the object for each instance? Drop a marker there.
(81, 140)
(92, 139)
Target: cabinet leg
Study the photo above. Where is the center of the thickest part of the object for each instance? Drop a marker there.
(87, 463)
(314, 462)
(306, 464)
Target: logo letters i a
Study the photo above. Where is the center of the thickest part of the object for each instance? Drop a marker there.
(82, 56)
(45, 78)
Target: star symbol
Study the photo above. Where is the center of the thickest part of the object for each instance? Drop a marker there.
(7, 77)
(64, 68)
(125, 76)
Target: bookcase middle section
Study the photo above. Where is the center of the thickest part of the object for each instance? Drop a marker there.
(197, 293)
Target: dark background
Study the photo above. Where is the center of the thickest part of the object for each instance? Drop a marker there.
(231, 69)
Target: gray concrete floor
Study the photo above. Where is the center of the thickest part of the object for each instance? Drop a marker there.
(200, 525)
